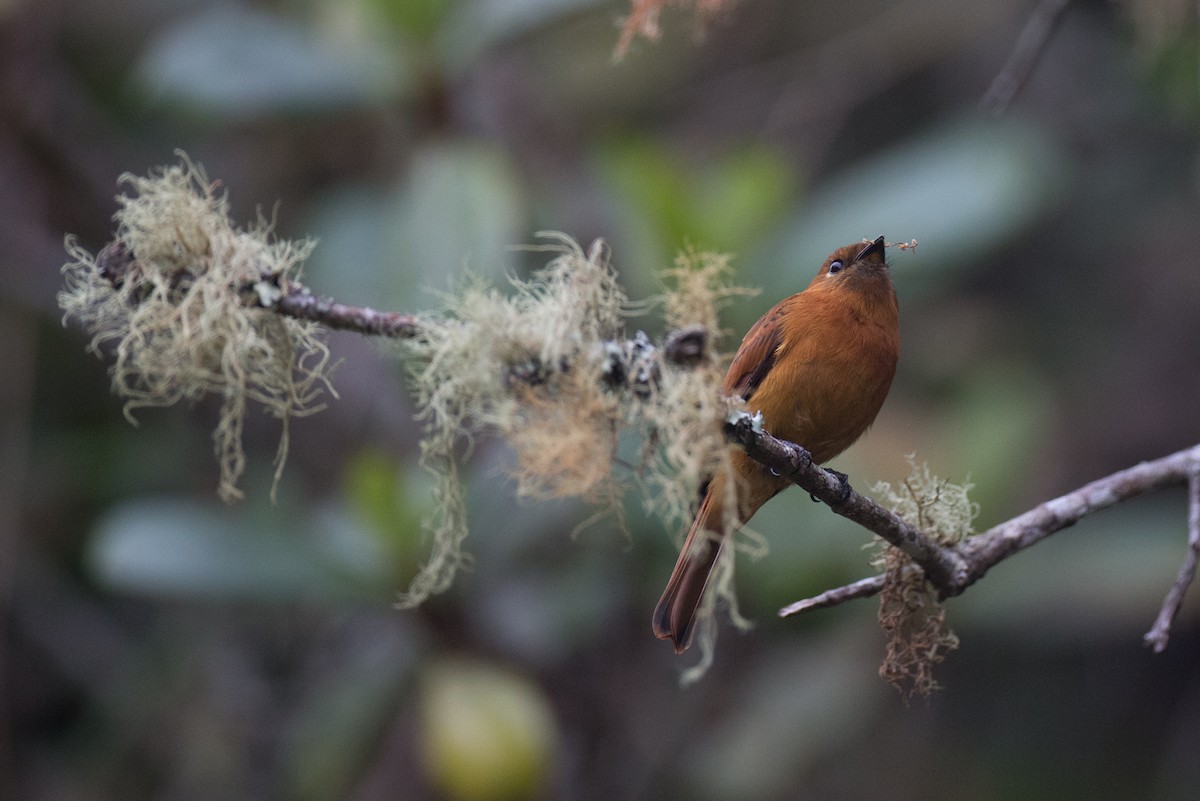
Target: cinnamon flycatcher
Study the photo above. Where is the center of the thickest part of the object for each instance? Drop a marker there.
(817, 366)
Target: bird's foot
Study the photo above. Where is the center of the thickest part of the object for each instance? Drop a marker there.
(843, 480)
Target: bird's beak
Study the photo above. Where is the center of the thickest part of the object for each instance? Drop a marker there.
(875, 248)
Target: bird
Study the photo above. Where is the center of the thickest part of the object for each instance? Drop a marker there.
(817, 367)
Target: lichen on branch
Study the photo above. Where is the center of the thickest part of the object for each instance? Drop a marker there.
(175, 318)
(528, 366)
(910, 613)
(547, 367)
(191, 305)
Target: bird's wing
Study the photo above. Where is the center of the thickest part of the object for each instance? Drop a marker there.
(756, 356)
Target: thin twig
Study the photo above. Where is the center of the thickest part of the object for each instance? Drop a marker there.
(115, 263)
(1024, 57)
(299, 303)
(863, 588)
(1158, 635)
(685, 347)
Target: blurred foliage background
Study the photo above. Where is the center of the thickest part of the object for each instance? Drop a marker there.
(156, 645)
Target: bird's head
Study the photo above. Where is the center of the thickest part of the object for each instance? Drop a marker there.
(858, 267)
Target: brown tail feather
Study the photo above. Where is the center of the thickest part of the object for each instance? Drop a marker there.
(675, 615)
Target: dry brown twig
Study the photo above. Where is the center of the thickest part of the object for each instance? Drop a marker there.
(644, 14)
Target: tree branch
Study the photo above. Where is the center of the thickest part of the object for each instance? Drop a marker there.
(985, 550)
(998, 543)
(115, 262)
(1024, 57)
(945, 568)
(633, 359)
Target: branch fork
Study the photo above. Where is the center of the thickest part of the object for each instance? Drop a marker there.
(952, 569)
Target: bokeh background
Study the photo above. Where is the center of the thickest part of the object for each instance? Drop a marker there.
(157, 645)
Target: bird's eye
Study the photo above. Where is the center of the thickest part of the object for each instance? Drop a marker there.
(835, 267)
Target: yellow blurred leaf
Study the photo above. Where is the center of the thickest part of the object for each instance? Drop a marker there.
(487, 733)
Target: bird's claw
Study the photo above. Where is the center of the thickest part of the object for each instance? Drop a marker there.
(844, 481)
(845, 490)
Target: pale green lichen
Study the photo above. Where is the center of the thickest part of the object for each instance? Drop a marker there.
(526, 365)
(175, 322)
(686, 418)
(533, 365)
(910, 614)
(686, 415)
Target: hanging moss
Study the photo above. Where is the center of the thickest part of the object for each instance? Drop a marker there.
(910, 614)
(175, 320)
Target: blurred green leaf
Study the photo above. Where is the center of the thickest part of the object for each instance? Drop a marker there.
(725, 204)
(234, 61)
(648, 178)
(961, 190)
(170, 546)
(352, 260)
(1002, 413)
(419, 19)
(487, 734)
(461, 206)
(740, 197)
(373, 484)
(384, 496)
(458, 207)
(1175, 71)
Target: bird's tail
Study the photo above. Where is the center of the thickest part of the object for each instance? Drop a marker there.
(675, 615)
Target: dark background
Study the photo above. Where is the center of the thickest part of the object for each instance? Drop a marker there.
(157, 645)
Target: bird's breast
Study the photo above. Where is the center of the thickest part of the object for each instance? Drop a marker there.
(829, 381)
